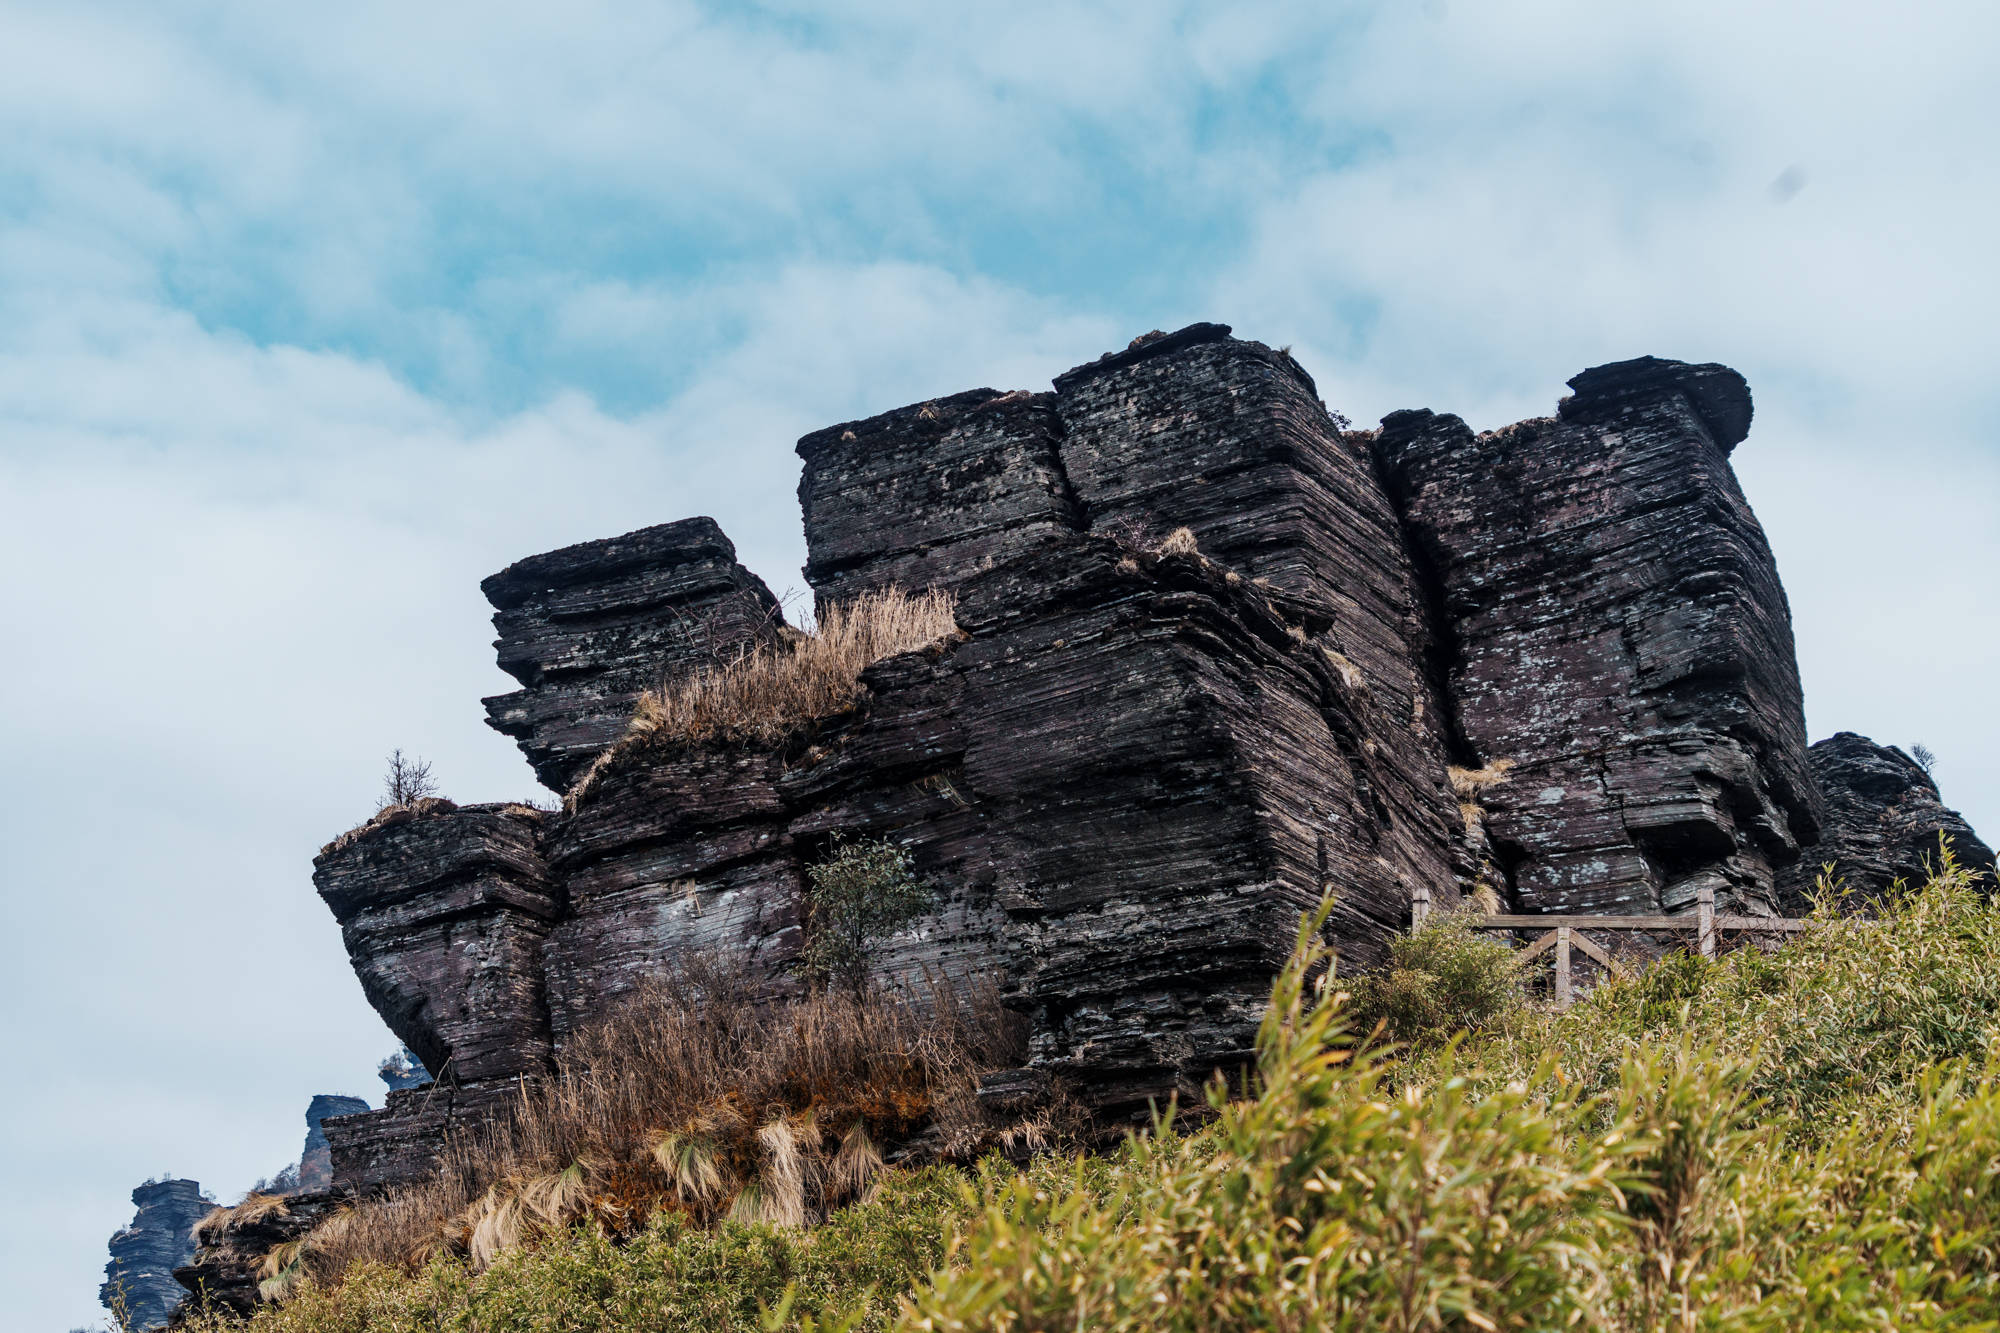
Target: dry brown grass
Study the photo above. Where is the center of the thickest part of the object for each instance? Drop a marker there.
(773, 690)
(1467, 783)
(390, 814)
(1350, 674)
(256, 1206)
(699, 1096)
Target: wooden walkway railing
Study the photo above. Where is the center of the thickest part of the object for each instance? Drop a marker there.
(1564, 933)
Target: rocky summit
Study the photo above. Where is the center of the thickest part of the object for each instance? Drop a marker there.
(139, 1286)
(1217, 655)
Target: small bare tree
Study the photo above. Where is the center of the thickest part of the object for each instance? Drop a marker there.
(1926, 759)
(407, 782)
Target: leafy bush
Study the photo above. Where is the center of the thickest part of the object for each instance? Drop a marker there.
(1442, 979)
(1320, 1204)
(673, 1274)
(864, 891)
(1856, 1009)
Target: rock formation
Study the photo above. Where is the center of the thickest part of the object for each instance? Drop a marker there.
(587, 628)
(1883, 819)
(1216, 655)
(1614, 631)
(147, 1250)
(316, 1161)
(228, 1267)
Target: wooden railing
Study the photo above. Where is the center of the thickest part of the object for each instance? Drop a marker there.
(1564, 933)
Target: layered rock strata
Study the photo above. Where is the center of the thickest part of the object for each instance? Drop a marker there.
(1884, 818)
(228, 1269)
(1215, 656)
(146, 1251)
(587, 628)
(1615, 639)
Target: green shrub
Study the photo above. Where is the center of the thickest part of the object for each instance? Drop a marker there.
(1323, 1203)
(1442, 979)
(864, 890)
(672, 1275)
(1853, 1009)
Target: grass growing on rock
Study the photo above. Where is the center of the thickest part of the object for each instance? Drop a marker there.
(775, 690)
(1803, 1139)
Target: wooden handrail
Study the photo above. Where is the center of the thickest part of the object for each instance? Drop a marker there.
(1562, 932)
(1582, 922)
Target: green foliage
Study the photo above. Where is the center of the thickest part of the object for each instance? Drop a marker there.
(1324, 1203)
(865, 890)
(1441, 980)
(673, 1275)
(1845, 1015)
(1803, 1139)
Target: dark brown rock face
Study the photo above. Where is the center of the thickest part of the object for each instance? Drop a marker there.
(586, 629)
(147, 1250)
(1145, 751)
(444, 912)
(1616, 632)
(1883, 819)
(963, 481)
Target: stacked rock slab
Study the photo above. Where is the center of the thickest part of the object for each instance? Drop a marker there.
(1141, 754)
(587, 628)
(1884, 818)
(1615, 632)
(146, 1251)
(1166, 756)
(1229, 440)
(444, 910)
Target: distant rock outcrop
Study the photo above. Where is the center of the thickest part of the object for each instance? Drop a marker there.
(403, 1071)
(147, 1250)
(316, 1162)
(1216, 655)
(1883, 820)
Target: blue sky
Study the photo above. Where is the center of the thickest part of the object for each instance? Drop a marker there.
(312, 317)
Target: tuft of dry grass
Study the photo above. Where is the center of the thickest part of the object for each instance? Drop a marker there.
(701, 1097)
(773, 690)
(1467, 783)
(390, 814)
(1350, 674)
(256, 1206)
(1179, 542)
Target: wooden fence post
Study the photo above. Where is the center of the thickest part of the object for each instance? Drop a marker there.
(1420, 906)
(1562, 967)
(1705, 920)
